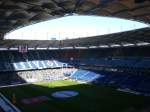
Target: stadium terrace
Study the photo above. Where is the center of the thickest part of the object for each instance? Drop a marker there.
(108, 73)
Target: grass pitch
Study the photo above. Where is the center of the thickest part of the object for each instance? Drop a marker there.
(91, 98)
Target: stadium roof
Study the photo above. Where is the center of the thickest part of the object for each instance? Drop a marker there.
(18, 13)
(139, 37)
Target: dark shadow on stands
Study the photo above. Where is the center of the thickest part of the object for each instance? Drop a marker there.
(10, 78)
(75, 54)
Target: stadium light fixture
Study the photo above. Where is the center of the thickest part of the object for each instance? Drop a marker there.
(53, 48)
(115, 45)
(129, 44)
(93, 47)
(67, 48)
(142, 44)
(13, 48)
(80, 47)
(104, 46)
(31, 48)
(2, 49)
(38, 48)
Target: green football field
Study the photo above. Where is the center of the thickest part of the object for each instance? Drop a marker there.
(91, 98)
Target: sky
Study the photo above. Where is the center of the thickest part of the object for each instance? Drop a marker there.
(73, 27)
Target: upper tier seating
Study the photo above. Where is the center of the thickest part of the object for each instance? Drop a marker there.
(41, 59)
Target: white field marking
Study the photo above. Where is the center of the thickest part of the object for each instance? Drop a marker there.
(64, 94)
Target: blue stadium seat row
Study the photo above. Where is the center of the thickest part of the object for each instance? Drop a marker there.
(28, 65)
(143, 63)
(84, 75)
(135, 82)
(13, 60)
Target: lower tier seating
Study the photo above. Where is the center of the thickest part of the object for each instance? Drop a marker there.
(84, 75)
(133, 82)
